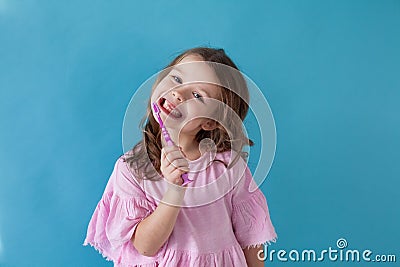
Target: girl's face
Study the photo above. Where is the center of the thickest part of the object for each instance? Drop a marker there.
(187, 96)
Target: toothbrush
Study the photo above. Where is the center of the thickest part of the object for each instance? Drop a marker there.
(168, 139)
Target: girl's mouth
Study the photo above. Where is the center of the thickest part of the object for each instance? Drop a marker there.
(169, 108)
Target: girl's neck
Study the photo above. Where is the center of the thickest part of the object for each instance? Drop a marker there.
(190, 149)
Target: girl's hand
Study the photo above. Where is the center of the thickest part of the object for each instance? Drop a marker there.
(173, 164)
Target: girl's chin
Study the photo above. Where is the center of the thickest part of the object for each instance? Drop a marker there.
(171, 121)
(181, 125)
(177, 129)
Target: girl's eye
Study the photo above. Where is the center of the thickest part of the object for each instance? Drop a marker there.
(196, 95)
(176, 79)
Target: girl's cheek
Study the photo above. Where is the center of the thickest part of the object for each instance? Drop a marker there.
(166, 87)
(159, 91)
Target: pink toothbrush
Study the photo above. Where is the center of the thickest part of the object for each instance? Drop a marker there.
(168, 139)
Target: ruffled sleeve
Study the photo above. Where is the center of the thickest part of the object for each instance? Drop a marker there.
(119, 211)
(250, 215)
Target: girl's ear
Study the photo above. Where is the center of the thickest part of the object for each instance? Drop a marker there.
(209, 125)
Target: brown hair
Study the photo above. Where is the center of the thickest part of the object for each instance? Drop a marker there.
(144, 157)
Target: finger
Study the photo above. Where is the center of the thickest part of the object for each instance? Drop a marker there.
(184, 170)
(182, 166)
(181, 150)
(177, 173)
(171, 170)
(171, 148)
(174, 155)
(179, 181)
(163, 154)
(170, 155)
(179, 163)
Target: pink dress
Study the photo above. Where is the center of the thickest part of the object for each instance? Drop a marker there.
(222, 213)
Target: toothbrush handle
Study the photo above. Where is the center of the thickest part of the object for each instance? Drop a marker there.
(169, 142)
(186, 179)
(167, 138)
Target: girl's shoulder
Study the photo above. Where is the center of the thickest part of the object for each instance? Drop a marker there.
(123, 181)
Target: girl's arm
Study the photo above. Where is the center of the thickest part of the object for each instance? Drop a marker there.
(252, 258)
(153, 231)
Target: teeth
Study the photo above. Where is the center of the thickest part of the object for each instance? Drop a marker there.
(167, 106)
(171, 110)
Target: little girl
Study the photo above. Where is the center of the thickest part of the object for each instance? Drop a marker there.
(147, 215)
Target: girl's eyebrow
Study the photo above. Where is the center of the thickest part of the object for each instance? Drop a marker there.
(177, 68)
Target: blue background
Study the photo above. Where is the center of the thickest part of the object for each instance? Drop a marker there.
(329, 69)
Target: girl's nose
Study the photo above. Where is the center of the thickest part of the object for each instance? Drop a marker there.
(178, 95)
